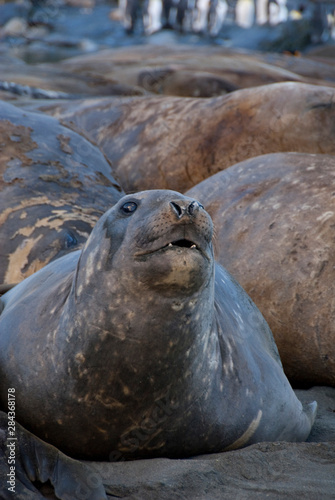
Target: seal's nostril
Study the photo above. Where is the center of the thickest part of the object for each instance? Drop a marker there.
(193, 207)
(178, 210)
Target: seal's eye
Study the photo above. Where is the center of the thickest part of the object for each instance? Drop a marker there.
(129, 207)
(70, 240)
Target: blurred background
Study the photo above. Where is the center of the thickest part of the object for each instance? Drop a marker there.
(38, 31)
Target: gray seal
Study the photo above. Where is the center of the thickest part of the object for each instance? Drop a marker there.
(140, 345)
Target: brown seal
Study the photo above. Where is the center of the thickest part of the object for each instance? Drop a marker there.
(54, 185)
(275, 228)
(140, 345)
(144, 66)
(175, 143)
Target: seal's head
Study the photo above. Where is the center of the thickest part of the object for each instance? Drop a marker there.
(159, 240)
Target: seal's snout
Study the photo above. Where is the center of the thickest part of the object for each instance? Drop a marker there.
(182, 208)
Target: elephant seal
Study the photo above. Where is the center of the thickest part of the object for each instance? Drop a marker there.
(140, 345)
(274, 223)
(175, 143)
(54, 186)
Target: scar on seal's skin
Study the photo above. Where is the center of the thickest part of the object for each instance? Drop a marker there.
(241, 441)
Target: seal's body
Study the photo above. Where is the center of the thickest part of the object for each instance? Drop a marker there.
(141, 346)
(54, 186)
(274, 218)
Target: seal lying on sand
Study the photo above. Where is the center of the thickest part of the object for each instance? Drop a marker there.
(274, 223)
(140, 345)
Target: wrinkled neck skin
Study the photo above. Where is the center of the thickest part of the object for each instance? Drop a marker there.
(149, 335)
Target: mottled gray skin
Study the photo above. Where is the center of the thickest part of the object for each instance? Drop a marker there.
(136, 348)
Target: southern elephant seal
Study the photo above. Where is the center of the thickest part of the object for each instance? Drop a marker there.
(54, 186)
(274, 217)
(140, 345)
(175, 143)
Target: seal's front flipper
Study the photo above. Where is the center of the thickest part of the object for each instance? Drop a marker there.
(36, 463)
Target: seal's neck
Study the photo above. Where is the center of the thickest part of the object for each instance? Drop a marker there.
(145, 338)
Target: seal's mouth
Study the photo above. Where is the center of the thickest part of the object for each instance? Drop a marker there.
(182, 244)
(182, 239)
(179, 245)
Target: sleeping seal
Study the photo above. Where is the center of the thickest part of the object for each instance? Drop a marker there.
(140, 345)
